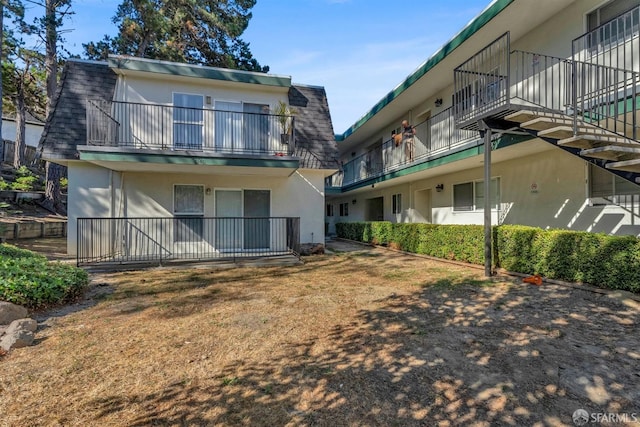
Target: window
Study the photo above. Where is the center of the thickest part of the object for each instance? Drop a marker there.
(469, 196)
(188, 121)
(329, 209)
(188, 208)
(396, 201)
(344, 209)
(608, 12)
(605, 184)
(612, 23)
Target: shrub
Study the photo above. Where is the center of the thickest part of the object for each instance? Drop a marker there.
(24, 183)
(29, 279)
(64, 183)
(4, 185)
(603, 260)
(25, 180)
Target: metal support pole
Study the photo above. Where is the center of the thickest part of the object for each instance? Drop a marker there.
(487, 200)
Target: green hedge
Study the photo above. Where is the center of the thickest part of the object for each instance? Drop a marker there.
(603, 260)
(29, 279)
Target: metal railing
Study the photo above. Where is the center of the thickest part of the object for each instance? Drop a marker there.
(481, 83)
(436, 135)
(600, 95)
(185, 238)
(540, 81)
(165, 127)
(607, 97)
(613, 44)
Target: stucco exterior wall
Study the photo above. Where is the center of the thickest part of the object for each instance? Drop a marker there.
(98, 192)
(546, 189)
(160, 90)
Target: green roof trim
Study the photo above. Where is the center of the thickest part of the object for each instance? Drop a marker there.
(197, 71)
(504, 141)
(187, 160)
(470, 29)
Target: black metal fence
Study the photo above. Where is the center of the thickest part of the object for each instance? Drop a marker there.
(184, 238)
(165, 127)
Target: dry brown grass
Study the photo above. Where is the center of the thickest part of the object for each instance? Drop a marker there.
(364, 338)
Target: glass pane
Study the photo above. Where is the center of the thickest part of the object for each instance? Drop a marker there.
(188, 229)
(463, 197)
(189, 199)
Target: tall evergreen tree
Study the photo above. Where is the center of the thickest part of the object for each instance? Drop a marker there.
(55, 12)
(203, 32)
(14, 10)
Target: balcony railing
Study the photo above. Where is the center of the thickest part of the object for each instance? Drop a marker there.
(435, 136)
(601, 95)
(165, 127)
(613, 44)
(194, 238)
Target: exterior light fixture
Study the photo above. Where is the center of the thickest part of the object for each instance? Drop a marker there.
(439, 187)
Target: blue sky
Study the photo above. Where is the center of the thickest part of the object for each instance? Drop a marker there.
(359, 50)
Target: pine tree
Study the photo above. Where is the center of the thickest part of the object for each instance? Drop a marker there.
(203, 32)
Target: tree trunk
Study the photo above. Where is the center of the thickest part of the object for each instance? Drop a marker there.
(51, 57)
(1, 55)
(52, 195)
(19, 146)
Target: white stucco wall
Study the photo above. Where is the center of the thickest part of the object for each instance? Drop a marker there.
(159, 89)
(96, 192)
(547, 189)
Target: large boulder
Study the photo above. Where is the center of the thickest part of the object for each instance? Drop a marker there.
(17, 339)
(10, 312)
(22, 324)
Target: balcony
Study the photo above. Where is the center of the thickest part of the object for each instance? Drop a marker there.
(187, 238)
(136, 126)
(496, 83)
(435, 137)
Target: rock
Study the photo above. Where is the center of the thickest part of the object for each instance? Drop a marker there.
(10, 312)
(311, 249)
(22, 324)
(19, 338)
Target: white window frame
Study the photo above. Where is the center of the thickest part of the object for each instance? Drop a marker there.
(396, 203)
(184, 215)
(193, 123)
(344, 209)
(475, 208)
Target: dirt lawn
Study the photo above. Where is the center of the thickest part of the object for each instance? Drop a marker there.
(368, 337)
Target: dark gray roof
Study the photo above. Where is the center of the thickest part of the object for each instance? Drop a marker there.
(82, 80)
(315, 140)
(66, 125)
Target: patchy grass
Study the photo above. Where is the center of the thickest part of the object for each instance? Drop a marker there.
(346, 339)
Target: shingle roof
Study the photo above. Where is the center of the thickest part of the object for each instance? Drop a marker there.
(66, 125)
(65, 129)
(315, 140)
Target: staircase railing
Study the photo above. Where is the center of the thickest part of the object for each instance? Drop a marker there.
(606, 97)
(613, 44)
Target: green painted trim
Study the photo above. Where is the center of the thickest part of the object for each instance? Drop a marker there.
(469, 30)
(198, 71)
(503, 142)
(187, 160)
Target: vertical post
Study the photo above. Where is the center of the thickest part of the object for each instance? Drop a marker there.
(487, 199)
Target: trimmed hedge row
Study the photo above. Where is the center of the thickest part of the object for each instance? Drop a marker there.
(606, 261)
(31, 280)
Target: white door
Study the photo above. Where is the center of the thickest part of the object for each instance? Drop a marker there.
(228, 126)
(229, 226)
